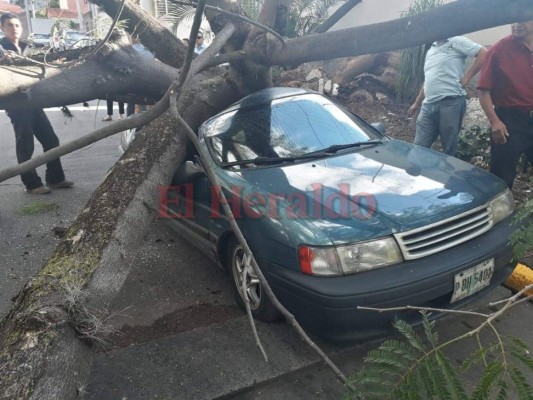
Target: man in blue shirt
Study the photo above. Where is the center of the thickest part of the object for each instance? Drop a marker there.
(442, 99)
(29, 122)
(200, 46)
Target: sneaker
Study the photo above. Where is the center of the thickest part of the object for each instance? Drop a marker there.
(60, 185)
(108, 118)
(39, 190)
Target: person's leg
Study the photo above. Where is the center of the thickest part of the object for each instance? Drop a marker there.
(121, 109)
(22, 122)
(426, 130)
(504, 157)
(450, 119)
(45, 134)
(109, 104)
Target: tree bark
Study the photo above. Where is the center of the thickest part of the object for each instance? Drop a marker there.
(116, 70)
(455, 18)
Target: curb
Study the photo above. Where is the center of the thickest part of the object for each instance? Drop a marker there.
(521, 277)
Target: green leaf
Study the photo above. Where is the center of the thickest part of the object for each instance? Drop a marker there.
(488, 381)
(477, 356)
(502, 393)
(409, 333)
(523, 356)
(455, 385)
(429, 329)
(402, 349)
(521, 385)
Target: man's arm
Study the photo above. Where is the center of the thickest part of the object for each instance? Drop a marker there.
(498, 129)
(475, 68)
(418, 102)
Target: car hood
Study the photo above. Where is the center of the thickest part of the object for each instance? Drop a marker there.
(377, 191)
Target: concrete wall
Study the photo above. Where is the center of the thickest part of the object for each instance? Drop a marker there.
(374, 11)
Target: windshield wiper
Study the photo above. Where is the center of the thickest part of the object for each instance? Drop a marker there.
(276, 160)
(336, 147)
(312, 155)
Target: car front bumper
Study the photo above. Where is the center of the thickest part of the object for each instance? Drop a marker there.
(328, 306)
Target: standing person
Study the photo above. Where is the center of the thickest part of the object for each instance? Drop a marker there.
(200, 46)
(109, 116)
(29, 122)
(442, 99)
(506, 95)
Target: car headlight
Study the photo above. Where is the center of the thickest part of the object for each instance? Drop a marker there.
(502, 206)
(349, 259)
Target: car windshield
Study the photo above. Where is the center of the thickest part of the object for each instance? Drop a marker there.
(286, 128)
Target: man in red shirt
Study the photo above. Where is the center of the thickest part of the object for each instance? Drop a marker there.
(506, 95)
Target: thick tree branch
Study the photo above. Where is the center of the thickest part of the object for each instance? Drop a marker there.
(455, 18)
(118, 70)
(159, 40)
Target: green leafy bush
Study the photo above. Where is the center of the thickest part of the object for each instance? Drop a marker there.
(522, 238)
(473, 146)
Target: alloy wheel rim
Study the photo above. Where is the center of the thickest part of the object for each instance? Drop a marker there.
(242, 267)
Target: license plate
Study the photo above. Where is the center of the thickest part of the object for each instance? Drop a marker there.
(472, 280)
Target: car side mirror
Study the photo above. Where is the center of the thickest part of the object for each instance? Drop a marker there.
(379, 126)
(188, 172)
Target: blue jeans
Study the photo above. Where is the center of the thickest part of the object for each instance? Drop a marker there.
(441, 119)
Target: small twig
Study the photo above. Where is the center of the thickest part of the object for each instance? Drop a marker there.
(481, 348)
(515, 296)
(237, 16)
(104, 40)
(96, 49)
(244, 276)
(443, 310)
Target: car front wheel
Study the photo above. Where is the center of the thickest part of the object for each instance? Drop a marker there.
(241, 268)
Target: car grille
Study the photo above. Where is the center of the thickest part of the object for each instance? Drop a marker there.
(431, 239)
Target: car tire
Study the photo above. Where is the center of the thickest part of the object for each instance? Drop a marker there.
(260, 305)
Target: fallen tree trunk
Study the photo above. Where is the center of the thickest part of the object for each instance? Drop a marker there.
(44, 328)
(116, 70)
(40, 332)
(452, 19)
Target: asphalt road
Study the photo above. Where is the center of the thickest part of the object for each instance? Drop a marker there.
(177, 331)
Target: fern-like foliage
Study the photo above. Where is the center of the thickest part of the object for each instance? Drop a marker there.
(417, 368)
(304, 15)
